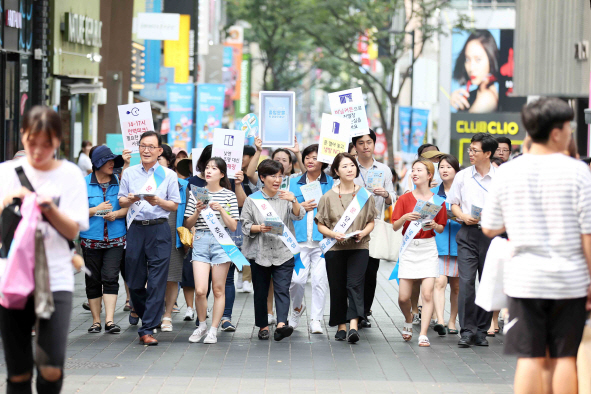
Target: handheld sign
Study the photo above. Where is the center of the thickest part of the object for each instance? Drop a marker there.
(135, 119)
(277, 119)
(334, 137)
(229, 145)
(349, 104)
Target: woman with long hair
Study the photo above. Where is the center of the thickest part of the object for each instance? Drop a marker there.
(62, 197)
(208, 254)
(419, 260)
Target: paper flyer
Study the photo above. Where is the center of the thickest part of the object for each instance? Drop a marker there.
(427, 210)
(476, 212)
(375, 178)
(276, 225)
(312, 191)
(354, 233)
(103, 212)
(201, 194)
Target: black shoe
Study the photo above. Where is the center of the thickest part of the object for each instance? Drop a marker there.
(466, 341)
(364, 323)
(481, 342)
(439, 329)
(86, 306)
(264, 335)
(282, 332)
(133, 320)
(112, 328)
(341, 335)
(95, 328)
(353, 336)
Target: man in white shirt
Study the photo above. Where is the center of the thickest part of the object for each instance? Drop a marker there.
(467, 197)
(543, 201)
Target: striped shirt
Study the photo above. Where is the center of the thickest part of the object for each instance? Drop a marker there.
(544, 203)
(227, 200)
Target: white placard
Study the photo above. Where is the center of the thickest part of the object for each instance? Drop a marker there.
(277, 119)
(349, 104)
(229, 145)
(334, 137)
(195, 155)
(135, 119)
(158, 26)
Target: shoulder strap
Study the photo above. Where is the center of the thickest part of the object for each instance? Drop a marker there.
(22, 177)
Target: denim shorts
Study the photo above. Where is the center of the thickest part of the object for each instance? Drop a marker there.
(207, 249)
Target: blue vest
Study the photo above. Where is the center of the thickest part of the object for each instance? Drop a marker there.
(446, 241)
(301, 226)
(180, 212)
(96, 228)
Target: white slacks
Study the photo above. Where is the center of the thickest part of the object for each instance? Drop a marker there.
(316, 266)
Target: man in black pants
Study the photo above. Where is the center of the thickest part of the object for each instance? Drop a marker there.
(467, 197)
(383, 195)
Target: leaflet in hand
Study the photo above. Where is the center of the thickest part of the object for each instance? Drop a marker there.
(276, 225)
(201, 194)
(312, 191)
(427, 210)
(354, 233)
(142, 195)
(103, 212)
(284, 183)
(476, 212)
(375, 179)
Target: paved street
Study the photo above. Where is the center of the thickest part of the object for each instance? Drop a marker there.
(239, 362)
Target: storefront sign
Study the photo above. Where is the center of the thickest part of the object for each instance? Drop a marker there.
(158, 26)
(13, 19)
(506, 124)
(84, 30)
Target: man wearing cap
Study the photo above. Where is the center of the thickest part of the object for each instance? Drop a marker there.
(151, 192)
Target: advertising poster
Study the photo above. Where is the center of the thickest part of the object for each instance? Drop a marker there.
(277, 118)
(229, 145)
(176, 53)
(334, 137)
(420, 121)
(180, 100)
(210, 108)
(404, 121)
(481, 97)
(349, 104)
(135, 119)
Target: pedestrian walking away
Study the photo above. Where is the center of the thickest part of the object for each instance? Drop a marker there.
(151, 192)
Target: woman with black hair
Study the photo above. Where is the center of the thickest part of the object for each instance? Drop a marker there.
(84, 158)
(477, 67)
(208, 255)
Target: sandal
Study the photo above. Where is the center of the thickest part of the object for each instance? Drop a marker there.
(424, 341)
(407, 331)
(95, 328)
(439, 329)
(175, 308)
(452, 331)
(166, 327)
(127, 306)
(490, 333)
(112, 328)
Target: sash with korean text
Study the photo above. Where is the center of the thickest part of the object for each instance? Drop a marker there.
(150, 187)
(223, 238)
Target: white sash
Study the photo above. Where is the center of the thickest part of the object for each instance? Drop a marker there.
(150, 187)
(223, 238)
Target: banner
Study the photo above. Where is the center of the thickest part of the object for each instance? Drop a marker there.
(404, 114)
(418, 129)
(243, 103)
(135, 119)
(176, 53)
(277, 118)
(180, 101)
(210, 109)
(235, 40)
(229, 145)
(350, 104)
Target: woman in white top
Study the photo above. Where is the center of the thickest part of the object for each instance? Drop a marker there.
(207, 252)
(63, 200)
(84, 161)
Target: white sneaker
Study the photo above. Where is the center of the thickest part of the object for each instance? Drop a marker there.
(190, 314)
(211, 337)
(247, 287)
(197, 334)
(416, 319)
(316, 327)
(239, 281)
(271, 319)
(294, 320)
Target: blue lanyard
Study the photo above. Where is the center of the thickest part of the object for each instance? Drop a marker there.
(476, 180)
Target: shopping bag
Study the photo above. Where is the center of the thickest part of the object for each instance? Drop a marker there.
(44, 306)
(490, 295)
(584, 361)
(385, 242)
(18, 280)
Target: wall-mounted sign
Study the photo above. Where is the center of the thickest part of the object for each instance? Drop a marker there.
(158, 26)
(83, 30)
(13, 19)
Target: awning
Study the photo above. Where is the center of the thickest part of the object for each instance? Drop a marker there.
(154, 104)
(83, 88)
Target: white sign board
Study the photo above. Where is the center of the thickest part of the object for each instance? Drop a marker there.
(135, 119)
(349, 104)
(334, 137)
(158, 26)
(229, 145)
(195, 155)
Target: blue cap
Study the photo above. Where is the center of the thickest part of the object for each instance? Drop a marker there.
(102, 154)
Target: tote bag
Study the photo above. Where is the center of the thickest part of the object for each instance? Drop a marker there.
(18, 280)
(490, 295)
(385, 242)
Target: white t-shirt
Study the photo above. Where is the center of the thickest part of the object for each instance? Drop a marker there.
(84, 163)
(544, 203)
(64, 182)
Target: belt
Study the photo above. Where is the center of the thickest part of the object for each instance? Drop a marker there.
(478, 226)
(150, 222)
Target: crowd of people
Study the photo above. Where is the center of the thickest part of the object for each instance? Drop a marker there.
(145, 223)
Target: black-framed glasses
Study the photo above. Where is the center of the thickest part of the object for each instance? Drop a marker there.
(149, 148)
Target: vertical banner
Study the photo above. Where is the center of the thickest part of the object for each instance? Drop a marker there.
(180, 100)
(153, 49)
(135, 119)
(229, 145)
(210, 109)
(404, 122)
(420, 120)
(243, 104)
(176, 53)
(235, 40)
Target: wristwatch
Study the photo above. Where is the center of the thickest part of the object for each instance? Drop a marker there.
(294, 200)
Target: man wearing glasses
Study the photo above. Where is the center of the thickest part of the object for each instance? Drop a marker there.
(467, 196)
(151, 191)
(504, 150)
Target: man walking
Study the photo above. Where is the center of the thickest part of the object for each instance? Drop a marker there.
(467, 197)
(543, 201)
(383, 195)
(503, 151)
(151, 192)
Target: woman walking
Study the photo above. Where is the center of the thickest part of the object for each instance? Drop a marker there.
(104, 242)
(208, 255)
(346, 261)
(52, 179)
(418, 259)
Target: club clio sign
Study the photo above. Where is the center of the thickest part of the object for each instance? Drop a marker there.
(84, 30)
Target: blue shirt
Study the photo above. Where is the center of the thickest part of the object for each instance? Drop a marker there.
(135, 177)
